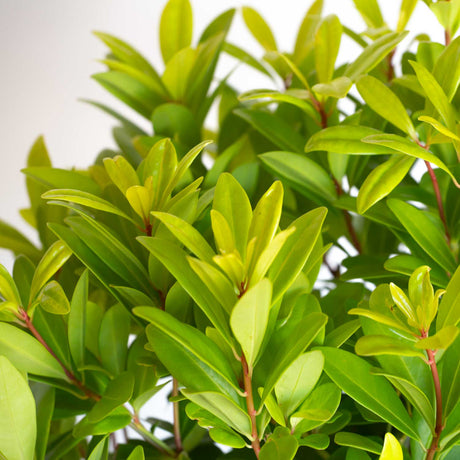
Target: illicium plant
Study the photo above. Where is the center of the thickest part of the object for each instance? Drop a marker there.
(299, 297)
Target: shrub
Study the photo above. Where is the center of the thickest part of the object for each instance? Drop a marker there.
(154, 268)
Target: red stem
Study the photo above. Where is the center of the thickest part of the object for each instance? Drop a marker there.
(250, 405)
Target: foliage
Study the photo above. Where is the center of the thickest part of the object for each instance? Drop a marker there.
(154, 269)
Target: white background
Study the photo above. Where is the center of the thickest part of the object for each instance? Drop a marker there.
(48, 53)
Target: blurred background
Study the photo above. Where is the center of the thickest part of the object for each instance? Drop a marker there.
(48, 54)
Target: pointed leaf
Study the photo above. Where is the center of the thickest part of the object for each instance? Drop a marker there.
(374, 345)
(52, 298)
(121, 172)
(8, 289)
(441, 340)
(370, 11)
(327, 43)
(357, 441)
(449, 309)
(259, 28)
(391, 449)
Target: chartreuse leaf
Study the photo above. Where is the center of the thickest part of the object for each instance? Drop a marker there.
(188, 354)
(117, 420)
(175, 260)
(407, 8)
(227, 438)
(337, 337)
(285, 346)
(441, 340)
(403, 145)
(327, 43)
(55, 257)
(265, 221)
(337, 88)
(18, 429)
(52, 298)
(8, 288)
(427, 234)
(101, 451)
(27, 354)
(306, 34)
(273, 408)
(344, 438)
(141, 199)
(370, 11)
(85, 199)
(118, 391)
(187, 235)
(373, 54)
(244, 56)
(403, 303)
(439, 127)
(382, 180)
(231, 201)
(298, 380)
(224, 408)
(121, 173)
(374, 345)
(435, 94)
(176, 28)
(352, 375)
(249, 319)
(295, 252)
(380, 318)
(318, 441)
(259, 28)
(223, 235)
(449, 308)
(391, 448)
(302, 174)
(44, 396)
(77, 320)
(281, 445)
(137, 454)
(113, 339)
(345, 139)
(13, 240)
(383, 101)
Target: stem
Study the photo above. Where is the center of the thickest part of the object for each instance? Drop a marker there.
(391, 69)
(250, 405)
(70, 375)
(437, 192)
(177, 437)
(151, 439)
(437, 387)
(348, 222)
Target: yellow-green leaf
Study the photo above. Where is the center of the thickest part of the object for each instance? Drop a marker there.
(441, 340)
(140, 199)
(259, 28)
(327, 43)
(391, 449)
(121, 172)
(375, 345)
(52, 298)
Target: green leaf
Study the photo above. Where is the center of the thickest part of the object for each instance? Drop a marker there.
(176, 28)
(113, 339)
(141, 199)
(77, 320)
(281, 445)
(298, 381)
(274, 128)
(317, 441)
(137, 454)
(18, 430)
(357, 441)
(13, 240)
(52, 299)
(345, 139)
(302, 174)
(54, 258)
(224, 408)
(435, 94)
(295, 253)
(439, 127)
(44, 401)
(380, 318)
(441, 340)
(259, 28)
(231, 201)
(306, 34)
(449, 309)
(227, 438)
(446, 74)
(54, 178)
(402, 145)
(8, 289)
(338, 88)
(374, 345)
(249, 319)
(383, 101)
(382, 180)
(85, 199)
(27, 354)
(373, 54)
(370, 11)
(187, 235)
(407, 7)
(327, 43)
(117, 420)
(118, 391)
(175, 260)
(243, 56)
(427, 234)
(101, 451)
(337, 337)
(121, 173)
(192, 357)
(352, 375)
(285, 346)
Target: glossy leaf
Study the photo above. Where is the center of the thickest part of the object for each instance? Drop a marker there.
(121, 172)
(428, 235)
(338, 87)
(449, 308)
(8, 289)
(373, 345)
(441, 340)
(259, 28)
(227, 438)
(18, 429)
(327, 43)
(382, 180)
(281, 445)
(352, 375)
(52, 298)
(119, 418)
(357, 441)
(101, 451)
